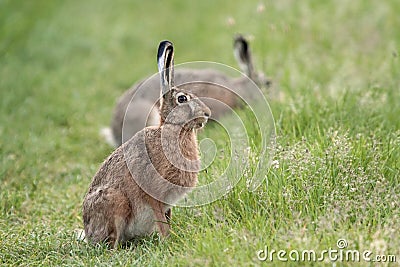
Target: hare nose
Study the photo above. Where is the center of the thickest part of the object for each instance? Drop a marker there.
(206, 114)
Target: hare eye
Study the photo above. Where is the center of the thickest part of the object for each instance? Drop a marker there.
(181, 98)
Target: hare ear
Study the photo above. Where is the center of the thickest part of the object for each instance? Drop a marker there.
(241, 51)
(165, 62)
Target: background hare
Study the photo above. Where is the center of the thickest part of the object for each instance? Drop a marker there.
(132, 192)
(132, 114)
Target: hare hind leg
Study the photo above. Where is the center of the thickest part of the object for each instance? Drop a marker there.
(121, 213)
(105, 214)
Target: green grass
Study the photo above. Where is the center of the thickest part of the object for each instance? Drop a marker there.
(336, 103)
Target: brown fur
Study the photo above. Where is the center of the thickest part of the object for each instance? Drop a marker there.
(135, 109)
(132, 192)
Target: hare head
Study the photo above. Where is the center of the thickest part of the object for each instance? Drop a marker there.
(177, 106)
(243, 57)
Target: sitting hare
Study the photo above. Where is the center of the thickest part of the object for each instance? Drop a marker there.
(132, 193)
(135, 109)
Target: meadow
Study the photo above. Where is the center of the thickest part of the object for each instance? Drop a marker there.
(335, 98)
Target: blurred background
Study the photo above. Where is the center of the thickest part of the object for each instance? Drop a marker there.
(334, 66)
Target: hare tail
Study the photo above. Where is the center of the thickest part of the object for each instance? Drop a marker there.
(108, 136)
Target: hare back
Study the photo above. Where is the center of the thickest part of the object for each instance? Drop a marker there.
(139, 114)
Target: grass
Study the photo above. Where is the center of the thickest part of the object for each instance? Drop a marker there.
(336, 102)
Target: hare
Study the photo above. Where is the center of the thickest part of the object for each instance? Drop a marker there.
(132, 193)
(135, 108)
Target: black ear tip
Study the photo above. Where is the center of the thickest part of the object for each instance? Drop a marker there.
(239, 40)
(163, 46)
(165, 43)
